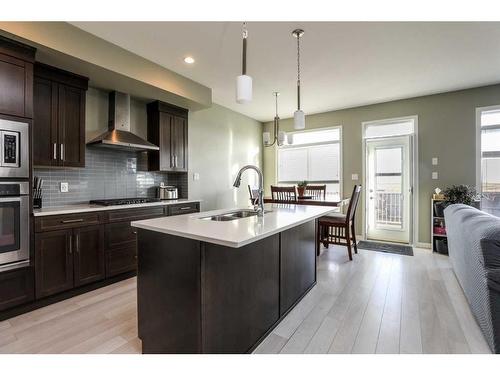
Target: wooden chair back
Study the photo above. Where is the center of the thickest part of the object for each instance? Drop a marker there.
(284, 193)
(317, 191)
(353, 203)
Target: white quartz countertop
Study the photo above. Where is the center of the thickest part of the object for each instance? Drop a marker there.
(79, 208)
(239, 232)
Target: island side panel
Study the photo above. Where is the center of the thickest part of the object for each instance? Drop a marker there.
(240, 295)
(298, 264)
(168, 293)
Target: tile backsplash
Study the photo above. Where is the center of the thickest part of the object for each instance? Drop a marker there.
(107, 174)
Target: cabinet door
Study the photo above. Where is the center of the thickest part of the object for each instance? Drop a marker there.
(16, 80)
(45, 146)
(165, 128)
(71, 122)
(53, 262)
(89, 254)
(179, 141)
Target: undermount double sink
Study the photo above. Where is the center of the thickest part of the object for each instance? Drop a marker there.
(233, 215)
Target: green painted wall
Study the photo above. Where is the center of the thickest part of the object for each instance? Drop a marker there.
(446, 129)
(220, 142)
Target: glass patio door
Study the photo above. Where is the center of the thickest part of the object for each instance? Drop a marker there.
(388, 189)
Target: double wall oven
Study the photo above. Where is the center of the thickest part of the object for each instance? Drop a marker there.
(14, 194)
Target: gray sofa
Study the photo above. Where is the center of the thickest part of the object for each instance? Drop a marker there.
(474, 249)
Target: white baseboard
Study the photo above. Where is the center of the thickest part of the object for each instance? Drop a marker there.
(423, 245)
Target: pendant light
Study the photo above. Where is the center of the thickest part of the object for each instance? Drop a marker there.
(244, 82)
(279, 136)
(299, 120)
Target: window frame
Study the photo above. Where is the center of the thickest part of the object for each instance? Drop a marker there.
(479, 155)
(318, 129)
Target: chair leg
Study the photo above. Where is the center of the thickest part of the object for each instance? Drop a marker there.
(325, 234)
(354, 239)
(348, 240)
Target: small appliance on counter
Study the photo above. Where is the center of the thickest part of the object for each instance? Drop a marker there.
(166, 192)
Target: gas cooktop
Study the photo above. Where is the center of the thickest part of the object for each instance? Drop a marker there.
(122, 201)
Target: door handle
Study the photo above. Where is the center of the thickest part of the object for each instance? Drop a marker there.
(55, 151)
(62, 151)
(77, 242)
(71, 221)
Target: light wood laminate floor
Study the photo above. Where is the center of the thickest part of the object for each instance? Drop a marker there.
(378, 303)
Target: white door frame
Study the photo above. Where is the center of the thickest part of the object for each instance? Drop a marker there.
(414, 201)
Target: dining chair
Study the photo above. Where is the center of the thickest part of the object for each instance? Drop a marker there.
(338, 229)
(316, 191)
(283, 193)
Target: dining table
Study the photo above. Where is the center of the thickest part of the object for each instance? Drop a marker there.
(308, 200)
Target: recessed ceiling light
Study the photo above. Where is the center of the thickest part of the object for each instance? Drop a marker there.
(188, 60)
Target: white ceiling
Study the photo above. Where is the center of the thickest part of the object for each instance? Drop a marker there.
(343, 64)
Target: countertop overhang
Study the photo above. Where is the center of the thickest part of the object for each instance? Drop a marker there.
(235, 233)
(80, 208)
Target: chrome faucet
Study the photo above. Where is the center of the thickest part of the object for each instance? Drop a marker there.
(258, 206)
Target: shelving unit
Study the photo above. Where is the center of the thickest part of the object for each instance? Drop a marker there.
(439, 241)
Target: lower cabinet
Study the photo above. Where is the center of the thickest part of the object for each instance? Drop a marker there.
(16, 287)
(53, 262)
(68, 258)
(121, 248)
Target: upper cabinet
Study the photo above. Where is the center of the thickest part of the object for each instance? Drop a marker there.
(16, 78)
(168, 129)
(59, 117)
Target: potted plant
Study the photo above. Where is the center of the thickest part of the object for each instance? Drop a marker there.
(463, 194)
(301, 188)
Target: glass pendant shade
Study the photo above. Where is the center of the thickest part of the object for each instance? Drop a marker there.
(266, 138)
(299, 120)
(243, 89)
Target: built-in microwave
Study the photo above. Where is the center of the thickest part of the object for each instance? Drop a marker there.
(14, 149)
(14, 224)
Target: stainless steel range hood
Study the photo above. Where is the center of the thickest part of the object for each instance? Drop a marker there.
(118, 135)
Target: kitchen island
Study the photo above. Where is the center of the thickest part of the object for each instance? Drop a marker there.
(220, 281)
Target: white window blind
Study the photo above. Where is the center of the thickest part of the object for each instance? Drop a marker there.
(490, 151)
(292, 164)
(323, 163)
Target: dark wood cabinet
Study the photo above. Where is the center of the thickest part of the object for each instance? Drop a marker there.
(168, 129)
(182, 209)
(53, 262)
(59, 117)
(16, 287)
(16, 78)
(89, 254)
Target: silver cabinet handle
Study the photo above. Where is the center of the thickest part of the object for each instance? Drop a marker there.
(62, 151)
(71, 221)
(77, 241)
(185, 208)
(55, 151)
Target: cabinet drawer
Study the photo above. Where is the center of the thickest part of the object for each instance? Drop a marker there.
(134, 214)
(181, 209)
(118, 235)
(16, 287)
(121, 260)
(43, 224)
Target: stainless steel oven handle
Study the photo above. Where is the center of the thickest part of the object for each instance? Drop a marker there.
(62, 151)
(11, 199)
(55, 151)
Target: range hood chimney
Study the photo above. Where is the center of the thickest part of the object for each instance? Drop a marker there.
(118, 135)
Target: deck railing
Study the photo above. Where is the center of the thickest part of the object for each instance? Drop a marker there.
(389, 209)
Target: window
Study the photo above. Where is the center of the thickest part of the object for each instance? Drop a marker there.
(489, 158)
(490, 151)
(314, 156)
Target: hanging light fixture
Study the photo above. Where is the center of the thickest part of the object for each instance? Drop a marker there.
(279, 137)
(299, 119)
(244, 82)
